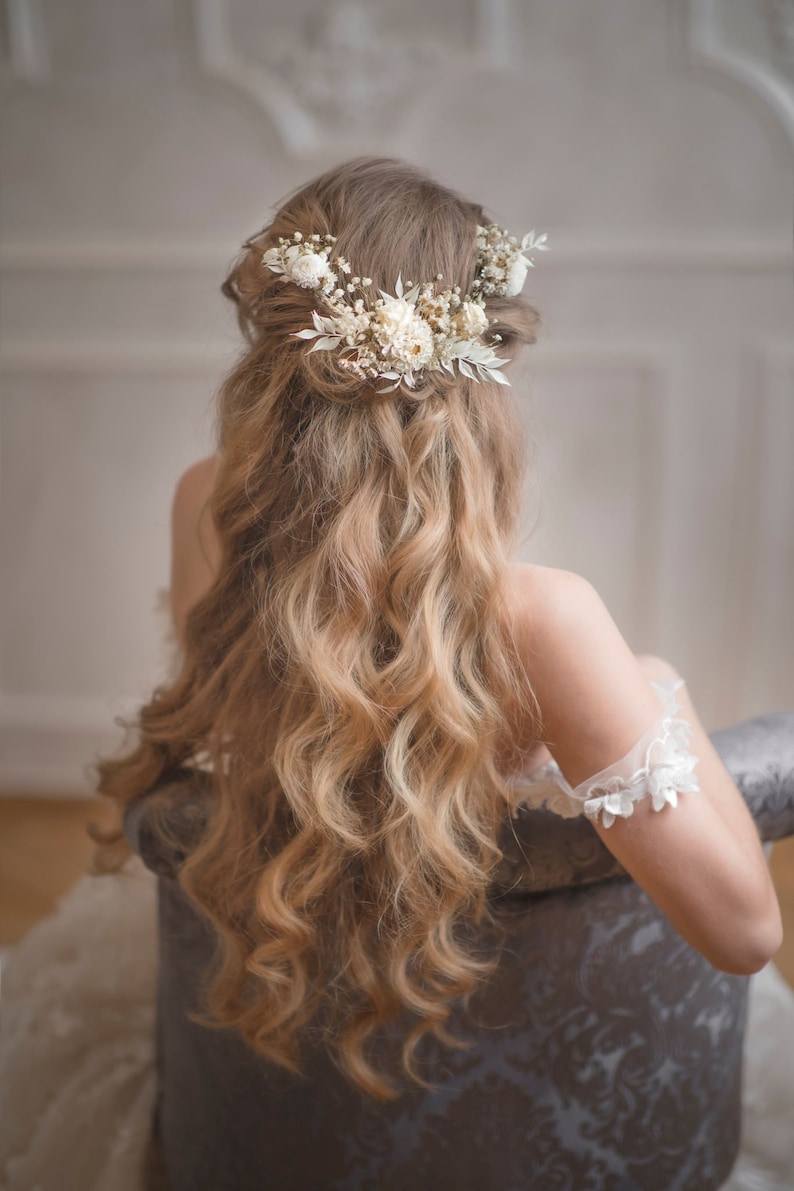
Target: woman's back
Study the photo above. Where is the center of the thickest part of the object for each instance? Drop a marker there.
(596, 699)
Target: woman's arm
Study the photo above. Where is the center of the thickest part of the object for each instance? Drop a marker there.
(701, 861)
(195, 549)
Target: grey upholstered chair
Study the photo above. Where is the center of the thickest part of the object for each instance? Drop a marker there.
(606, 1053)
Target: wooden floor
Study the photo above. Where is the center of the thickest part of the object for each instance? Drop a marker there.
(44, 848)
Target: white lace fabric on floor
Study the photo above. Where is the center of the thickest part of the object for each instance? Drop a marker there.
(77, 1022)
(658, 767)
(766, 1157)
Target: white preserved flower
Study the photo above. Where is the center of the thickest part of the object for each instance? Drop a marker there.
(404, 336)
(351, 326)
(310, 270)
(471, 320)
(516, 276)
(395, 316)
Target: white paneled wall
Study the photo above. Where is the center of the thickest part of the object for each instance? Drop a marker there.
(142, 143)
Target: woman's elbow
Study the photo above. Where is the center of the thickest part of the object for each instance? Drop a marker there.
(749, 950)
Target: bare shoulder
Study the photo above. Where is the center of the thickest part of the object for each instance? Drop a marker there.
(190, 516)
(549, 601)
(594, 697)
(562, 609)
(196, 482)
(563, 621)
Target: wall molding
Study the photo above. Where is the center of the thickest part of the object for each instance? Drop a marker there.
(768, 614)
(49, 742)
(218, 59)
(618, 256)
(28, 52)
(709, 47)
(329, 86)
(138, 358)
(142, 358)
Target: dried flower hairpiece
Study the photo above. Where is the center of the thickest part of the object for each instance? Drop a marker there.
(419, 328)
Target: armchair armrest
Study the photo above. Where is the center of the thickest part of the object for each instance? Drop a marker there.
(759, 754)
(164, 823)
(543, 851)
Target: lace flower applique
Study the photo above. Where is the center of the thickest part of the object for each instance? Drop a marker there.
(659, 767)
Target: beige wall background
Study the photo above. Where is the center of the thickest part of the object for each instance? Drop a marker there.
(651, 139)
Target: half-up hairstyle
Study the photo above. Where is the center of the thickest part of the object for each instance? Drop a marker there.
(352, 674)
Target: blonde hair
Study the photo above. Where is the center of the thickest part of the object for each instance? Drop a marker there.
(352, 673)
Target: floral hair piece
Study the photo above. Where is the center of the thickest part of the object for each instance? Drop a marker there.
(416, 329)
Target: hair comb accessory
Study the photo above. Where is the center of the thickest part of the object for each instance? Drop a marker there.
(396, 337)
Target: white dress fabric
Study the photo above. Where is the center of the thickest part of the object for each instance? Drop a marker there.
(77, 1020)
(77, 1002)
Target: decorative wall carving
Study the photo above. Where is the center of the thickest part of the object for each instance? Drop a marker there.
(780, 23)
(343, 81)
(751, 42)
(26, 41)
(766, 662)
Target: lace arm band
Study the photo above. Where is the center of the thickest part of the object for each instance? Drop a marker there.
(659, 766)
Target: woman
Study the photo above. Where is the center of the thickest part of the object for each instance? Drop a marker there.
(366, 672)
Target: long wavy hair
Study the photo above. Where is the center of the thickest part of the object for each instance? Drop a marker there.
(352, 674)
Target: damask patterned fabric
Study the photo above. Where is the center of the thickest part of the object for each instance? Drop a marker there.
(605, 1054)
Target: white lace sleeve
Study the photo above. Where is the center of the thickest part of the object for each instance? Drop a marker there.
(659, 766)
